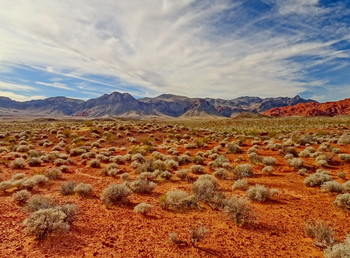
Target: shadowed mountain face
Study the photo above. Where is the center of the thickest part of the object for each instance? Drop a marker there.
(123, 104)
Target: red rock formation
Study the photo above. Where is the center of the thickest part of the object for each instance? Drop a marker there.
(341, 107)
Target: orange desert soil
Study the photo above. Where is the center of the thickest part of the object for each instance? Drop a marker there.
(277, 231)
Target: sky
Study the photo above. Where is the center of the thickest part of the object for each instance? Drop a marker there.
(197, 48)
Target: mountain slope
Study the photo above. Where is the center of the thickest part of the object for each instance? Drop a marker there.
(341, 107)
(168, 105)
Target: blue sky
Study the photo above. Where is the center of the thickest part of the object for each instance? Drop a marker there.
(198, 48)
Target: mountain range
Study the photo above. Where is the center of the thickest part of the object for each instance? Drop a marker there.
(341, 107)
(168, 105)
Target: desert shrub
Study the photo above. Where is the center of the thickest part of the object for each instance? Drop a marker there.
(111, 169)
(297, 163)
(18, 176)
(260, 193)
(142, 186)
(115, 193)
(125, 176)
(165, 174)
(233, 148)
(67, 188)
(143, 208)
(238, 209)
(53, 173)
(171, 164)
(5, 185)
(83, 190)
(18, 163)
(197, 233)
(64, 169)
(182, 174)
(28, 183)
(320, 232)
(39, 202)
(254, 158)
(183, 159)
(221, 173)
(45, 221)
(345, 157)
(268, 161)
(344, 139)
(197, 169)
(59, 162)
(267, 170)
(243, 170)
(35, 162)
(346, 186)
(95, 163)
(178, 200)
(21, 196)
(198, 160)
(343, 201)
(341, 174)
(204, 187)
(40, 179)
(340, 250)
(240, 184)
(332, 186)
(317, 179)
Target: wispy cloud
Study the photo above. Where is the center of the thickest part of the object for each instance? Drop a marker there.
(202, 48)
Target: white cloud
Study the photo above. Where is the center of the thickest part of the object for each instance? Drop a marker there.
(173, 46)
(15, 87)
(55, 85)
(19, 97)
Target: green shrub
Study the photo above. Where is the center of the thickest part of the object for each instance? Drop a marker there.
(238, 209)
(221, 173)
(233, 148)
(53, 173)
(18, 163)
(268, 161)
(197, 169)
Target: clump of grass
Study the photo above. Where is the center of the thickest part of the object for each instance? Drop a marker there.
(53, 173)
(240, 184)
(332, 186)
(243, 170)
(341, 174)
(204, 187)
(45, 221)
(233, 148)
(21, 196)
(197, 233)
(320, 232)
(143, 208)
(94, 163)
(197, 169)
(317, 179)
(269, 161)
(340, 250)
(142, 186)
(261, 193)
(343, 201)
(83, 190)
(67, 188)
(39, 202)
(182, 173)
(178, 200)
(18, 163)
(116, 193)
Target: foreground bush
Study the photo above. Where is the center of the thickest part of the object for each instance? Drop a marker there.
(317, 179)
(204, 187)
(39, 202)
(332, 186)
(320, 232)
(143, 208)
(178, 200)
(45, 221)
(142, 186)
(341, 250)
(238, 209)
(260, 193)
(116, 193)
(243, 170)
(21, 196)
(343, 201)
